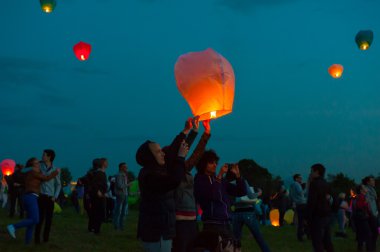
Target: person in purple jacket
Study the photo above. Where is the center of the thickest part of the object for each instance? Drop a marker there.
(212, 192)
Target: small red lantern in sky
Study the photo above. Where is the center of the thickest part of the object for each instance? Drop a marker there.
(7, 167)
(82, 50)
(336, 71)
(207, 82)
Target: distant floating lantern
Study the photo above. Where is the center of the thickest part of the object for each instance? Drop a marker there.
(47, 6)
(336, 71)
(82, 50)
(274, 216)
(7, 167)
(207, 82)
(364, 39)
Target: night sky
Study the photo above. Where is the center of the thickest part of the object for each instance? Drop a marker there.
(288, 112)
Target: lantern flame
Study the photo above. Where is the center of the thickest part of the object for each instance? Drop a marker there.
(47, 9)
(212, 114)
(364, 46)
(82, 57)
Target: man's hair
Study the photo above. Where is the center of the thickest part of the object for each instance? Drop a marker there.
(96, 163)
(121, 164)
(102, 161)
(207, 157)
(296, 176)
(366, 180)
(30, 162)
(319, 168)
(51, 154)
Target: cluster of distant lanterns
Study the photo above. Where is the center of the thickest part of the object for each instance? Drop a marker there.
(81, 50)
(363, 40)
(206, 79)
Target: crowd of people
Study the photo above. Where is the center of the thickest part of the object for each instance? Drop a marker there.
(172, 199)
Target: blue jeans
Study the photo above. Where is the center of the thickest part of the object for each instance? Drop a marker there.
(121, 209)
(249, 219)
(32, 218)
(160, 246)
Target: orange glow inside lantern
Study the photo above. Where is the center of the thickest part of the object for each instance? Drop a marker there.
(336, 71)
(207, 82)
(82, 50)
(7, 167)
(274, 216)
(47, 6)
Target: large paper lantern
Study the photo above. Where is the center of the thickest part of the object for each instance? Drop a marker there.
(364, 39)
(7, 167)
(207, 82)
(274, 216)
(82, 50)
(47, 6)
(336, 71)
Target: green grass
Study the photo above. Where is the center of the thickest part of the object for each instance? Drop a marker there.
(69, 233)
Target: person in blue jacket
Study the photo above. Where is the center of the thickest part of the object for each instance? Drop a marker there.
(212, 192)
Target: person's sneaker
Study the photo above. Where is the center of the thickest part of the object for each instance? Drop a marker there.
(12, 231)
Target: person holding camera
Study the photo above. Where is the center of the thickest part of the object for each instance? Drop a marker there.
(212, 193)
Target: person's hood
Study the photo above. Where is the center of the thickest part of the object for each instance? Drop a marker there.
(144, 156)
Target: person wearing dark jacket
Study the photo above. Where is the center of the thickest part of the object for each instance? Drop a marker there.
(160, 176)
(98, 198)
(186, 209)
(318, 210)
(17, 191)
(212, 193)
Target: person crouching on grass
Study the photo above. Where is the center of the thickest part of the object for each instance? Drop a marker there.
(33, 180)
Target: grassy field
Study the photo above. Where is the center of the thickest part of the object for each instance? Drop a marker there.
(69, 233)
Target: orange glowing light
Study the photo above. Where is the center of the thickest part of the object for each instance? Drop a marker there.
(336, 71)
(207, 82)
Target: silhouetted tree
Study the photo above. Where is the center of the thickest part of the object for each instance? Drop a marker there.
(260, 177)
(340, 183)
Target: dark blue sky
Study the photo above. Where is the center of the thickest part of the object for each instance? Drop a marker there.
(288, 112)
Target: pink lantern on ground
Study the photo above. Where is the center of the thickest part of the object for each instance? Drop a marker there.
(7, 167)
(207, 82)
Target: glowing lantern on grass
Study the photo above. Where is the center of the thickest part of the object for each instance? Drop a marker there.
(274, 216)
(289, 216)
(7, 167)
(47, 6)
(336, 71)
(133, 197)
(207, 82)
(364, 39)
(82, 50)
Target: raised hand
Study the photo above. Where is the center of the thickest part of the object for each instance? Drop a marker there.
(196, 123)
(223, 170)
(235, 170)
(183, 149)
(188, 125)
(206, 125)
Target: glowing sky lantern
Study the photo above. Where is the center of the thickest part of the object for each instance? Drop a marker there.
(207, 82)
(47, 6)
(7, 167)
(82, 50)
(364, 39)
(336, 71)
(274, 216)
